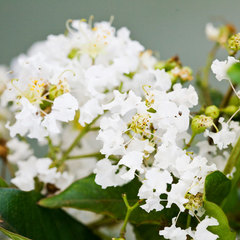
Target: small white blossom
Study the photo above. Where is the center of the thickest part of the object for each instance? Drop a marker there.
(224, 137)
(202, 232)
(212, 32)
(220, 68)
(18, 150)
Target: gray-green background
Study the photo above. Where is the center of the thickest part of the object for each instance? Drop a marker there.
(167, 26)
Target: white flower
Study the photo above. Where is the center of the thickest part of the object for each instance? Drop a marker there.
(202, 232)
(177, 195)
(27, 122)
(220, 68)
(24, 177)
(63, 109)
(111, 135)
(212, 32)
(174, 233)
(163, 80)
(153, 186)
(132, 160)
(183, 96)
(224, 137)
(90, 110)
(122, 103)
(41, 169)
(106, 174)
(18, 150)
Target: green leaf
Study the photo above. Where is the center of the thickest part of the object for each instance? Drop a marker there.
(12, 235)
(86, 194)
(234, 73)
(3, 184)
(20, 214)
(233, 161)
(222, 230)
(217, 187)
(147, 231)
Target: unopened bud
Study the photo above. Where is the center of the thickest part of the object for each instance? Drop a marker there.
(230, 110)
(212, 111)
(200, 123)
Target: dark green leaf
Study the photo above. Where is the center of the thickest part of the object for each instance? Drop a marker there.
(20, 214)
(3, 184)
(86, 194)
(234, 73)
(147, 232)
(217, 187)
(12, 235)
(222, 230)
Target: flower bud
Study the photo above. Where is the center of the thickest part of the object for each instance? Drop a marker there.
(230, 110)
(200, 123)
(212, 111)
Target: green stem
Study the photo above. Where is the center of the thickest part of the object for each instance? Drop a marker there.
(205, 80)
(233, 159)
(96, 155)
(84, 131)
(188, 145)
(129, 211)
(120, 87)
(94, 129)
(189, 218)
(51, 149)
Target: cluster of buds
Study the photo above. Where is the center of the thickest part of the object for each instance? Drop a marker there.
(176, 70)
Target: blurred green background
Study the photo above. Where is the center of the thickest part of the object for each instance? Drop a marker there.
(167, 26)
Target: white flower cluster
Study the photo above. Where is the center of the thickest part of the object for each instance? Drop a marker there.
(147, 135)
(97, 80)
(65, 75)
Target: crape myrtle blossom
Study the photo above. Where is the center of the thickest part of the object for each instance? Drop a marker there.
(64, 76)
(201, 232)
(212, 32)
(226, 136)
(153, 123)
(220, 68)
(92, 61)
(105, 105)
(34, 168)
(229, 132)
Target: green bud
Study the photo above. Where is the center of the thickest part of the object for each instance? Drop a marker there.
(73, 53)
(230, 110)
(212, 111)
(200, 123)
